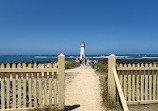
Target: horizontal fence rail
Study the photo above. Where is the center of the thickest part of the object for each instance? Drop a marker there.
(28, 70)
(26, 86)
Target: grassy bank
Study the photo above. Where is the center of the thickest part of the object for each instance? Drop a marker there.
(102, 70)
(71, 64)
(46, 108)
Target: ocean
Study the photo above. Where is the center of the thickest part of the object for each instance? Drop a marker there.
(27, 58)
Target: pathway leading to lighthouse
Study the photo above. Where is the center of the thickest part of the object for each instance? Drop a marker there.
(83, 92)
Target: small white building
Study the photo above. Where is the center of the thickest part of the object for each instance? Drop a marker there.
(82, 51)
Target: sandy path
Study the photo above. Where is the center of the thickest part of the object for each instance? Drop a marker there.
(83, 93)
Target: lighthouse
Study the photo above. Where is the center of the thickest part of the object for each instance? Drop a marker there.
(82, 51)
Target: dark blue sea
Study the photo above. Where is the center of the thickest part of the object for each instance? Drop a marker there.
(28, 58)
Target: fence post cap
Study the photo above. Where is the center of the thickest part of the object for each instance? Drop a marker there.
(112, 55)
(61, 55)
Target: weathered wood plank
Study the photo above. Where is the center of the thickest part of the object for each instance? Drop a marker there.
(154, 87)
(129, 87)
(19, 90)
(35, 89)
(8, 87)
(19, 86)
(8, 90)
(150, 86)
(2, 91)
(138, 84)
(135, 68)
(30, 86)
(30, 89)
(129, 83)
(61, 79)
(133, 86)
(24, 85)
(125, 86)
(142, 86)
(35, 85)
(24, 90)
(123, 101)
(50, 88)
(28, 70)
(40, 90)
(111, 81)
(55, 88)
(121, 79)
(14, 89)
(146, 86)
(45, 88)
(138, 96)
(50, 85)
(157, 84)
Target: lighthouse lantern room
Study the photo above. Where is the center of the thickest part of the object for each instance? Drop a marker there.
(82, 51)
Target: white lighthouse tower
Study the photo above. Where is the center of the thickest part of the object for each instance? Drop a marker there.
(82, 53)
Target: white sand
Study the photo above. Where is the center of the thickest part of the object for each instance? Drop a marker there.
(84, 90)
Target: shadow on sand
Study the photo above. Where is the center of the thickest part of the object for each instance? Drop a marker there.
(69, 108)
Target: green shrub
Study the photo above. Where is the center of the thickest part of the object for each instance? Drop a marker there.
(102, 67)
(71, 64)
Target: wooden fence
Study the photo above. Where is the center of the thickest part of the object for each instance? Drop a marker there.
(137, 83)
(26, 87)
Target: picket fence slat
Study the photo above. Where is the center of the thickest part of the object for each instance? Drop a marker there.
(8, 90)
(157, 84)
(133, 87)
(150, 87)
(19, 90)
(30, 89)
(2, 91)
(40, 90)
(8, 87)
(125, 86)
(50, 85)
(19, 86)
(45, 88)
(129, 87)
(121, 78)
(35, 89)
(146, 85)
(50, 88)
(55, 88)
(138, 88)
(24, 90)
(154, 87)
(142, 87)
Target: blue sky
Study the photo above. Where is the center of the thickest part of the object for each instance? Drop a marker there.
(52, 27)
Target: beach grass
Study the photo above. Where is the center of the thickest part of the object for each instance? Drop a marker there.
(71, 64)
(102, 67)
(47, 108)
(102, 71)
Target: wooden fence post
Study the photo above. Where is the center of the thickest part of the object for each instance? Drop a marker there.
(111, 81)
(61, 79)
